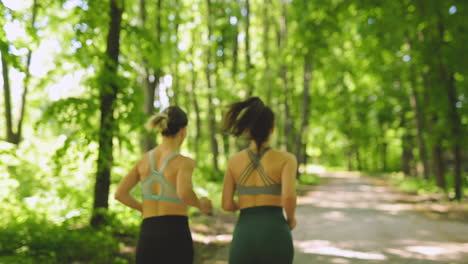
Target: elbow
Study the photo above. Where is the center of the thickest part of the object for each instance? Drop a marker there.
(118, 195)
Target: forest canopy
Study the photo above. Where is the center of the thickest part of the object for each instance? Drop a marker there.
(374, 86)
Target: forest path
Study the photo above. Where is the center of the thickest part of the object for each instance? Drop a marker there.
(350, 220)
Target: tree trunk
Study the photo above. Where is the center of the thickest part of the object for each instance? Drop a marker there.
(266, 52)
(175, 78)
(194, 100)
(26, 79)
(150, 83)
(10, 136)
(349, 159)
(211, 111)
(305, 108)
(456, 134)
(438, 164)
(108, 95)
(358, 157)
(384, 156)
(407, 146)
(196, 109)
(235, 48)
(248, 63)
(447, 78)
(419, 120)
(288, 130)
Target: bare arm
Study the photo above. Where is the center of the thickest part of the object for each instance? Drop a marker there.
(185, 188)
(288, 189)
(122, 194)
(228, 202)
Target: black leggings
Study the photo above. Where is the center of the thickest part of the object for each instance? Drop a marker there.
(261, 236)
(165, 239)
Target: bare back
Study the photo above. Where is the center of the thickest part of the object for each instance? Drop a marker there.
(172, 169)
(272, 162)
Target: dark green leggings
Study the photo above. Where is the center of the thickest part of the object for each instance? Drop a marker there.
(262, 235)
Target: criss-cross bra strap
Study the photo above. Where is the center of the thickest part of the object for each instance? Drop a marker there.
(255, 165)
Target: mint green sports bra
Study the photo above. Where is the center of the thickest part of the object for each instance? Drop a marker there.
(168, 190)
(270, 187)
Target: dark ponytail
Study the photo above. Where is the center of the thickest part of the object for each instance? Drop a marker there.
(251, 116)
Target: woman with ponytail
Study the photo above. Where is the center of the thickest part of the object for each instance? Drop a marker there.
(265, 180)
(166, 187)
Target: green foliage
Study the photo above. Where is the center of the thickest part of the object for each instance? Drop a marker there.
(45, 242)
(422, 186)
(368, 62)
(308, 179)
(414, 185)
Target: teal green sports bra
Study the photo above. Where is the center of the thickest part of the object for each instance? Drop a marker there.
(168, 190)
(270, 187)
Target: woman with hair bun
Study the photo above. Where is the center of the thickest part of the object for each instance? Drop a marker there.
(166, 187)
(265, 180)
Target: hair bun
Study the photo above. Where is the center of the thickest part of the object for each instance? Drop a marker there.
(158, 122)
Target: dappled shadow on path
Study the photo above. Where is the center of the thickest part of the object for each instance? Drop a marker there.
(351, 221)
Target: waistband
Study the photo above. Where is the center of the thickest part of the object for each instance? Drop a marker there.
(166, 219)
(261, 210)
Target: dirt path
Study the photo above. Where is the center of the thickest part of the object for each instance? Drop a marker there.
(349, 220)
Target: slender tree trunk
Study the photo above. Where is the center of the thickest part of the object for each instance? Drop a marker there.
(151, 78)
(407, 151)
(10, 136)
(248, 63)
(358, 157)
(108, 95)
(456, 134)
(419, 120)
(176, 80)
(438, 164)
(235, 48)
(211, 111)
(196, 109)
(194, 100)
(288, 130)
(384, 156)
(27, 78)
(266, 52)
(448, 79)
(305, 108)
(349, 159)
(437, 159)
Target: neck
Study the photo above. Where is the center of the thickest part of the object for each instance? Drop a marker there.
(171, 143)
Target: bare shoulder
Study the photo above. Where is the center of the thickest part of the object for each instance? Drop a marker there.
(236, 157)
(286, 156)
(186, 161)
(143, 161)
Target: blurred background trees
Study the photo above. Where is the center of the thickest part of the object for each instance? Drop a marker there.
(375, 86)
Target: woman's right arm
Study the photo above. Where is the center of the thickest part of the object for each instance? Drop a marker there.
(288, 189)
(185, 188)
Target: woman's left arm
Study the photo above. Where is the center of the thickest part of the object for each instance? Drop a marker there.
(122, 193)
